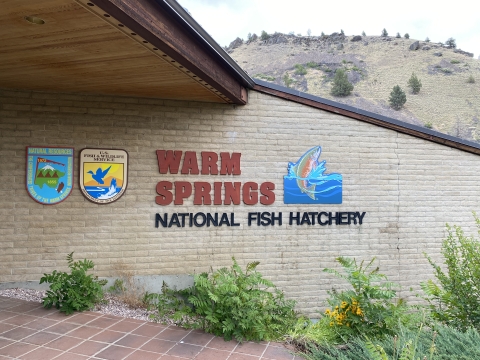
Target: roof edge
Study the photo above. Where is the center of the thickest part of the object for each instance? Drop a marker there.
(195, 28)
(366, 116)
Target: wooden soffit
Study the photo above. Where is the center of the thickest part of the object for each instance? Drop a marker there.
(126, 48)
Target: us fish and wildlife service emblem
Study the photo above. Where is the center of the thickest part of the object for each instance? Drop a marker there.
(307, 183)
(49, 174)
(103, 174)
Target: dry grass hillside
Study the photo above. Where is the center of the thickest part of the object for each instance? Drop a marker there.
(448, 101)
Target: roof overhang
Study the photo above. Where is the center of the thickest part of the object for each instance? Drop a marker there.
(142, 48)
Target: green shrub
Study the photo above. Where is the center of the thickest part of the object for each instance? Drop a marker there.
(414, 83)
(406, 36)
(369, 308)
(384, 32)
(341, 86)
(287, 80)
(363, 33)
(300, 70)
(264, 77)
(446, 71)
(429, 125)
(454, 61)
(312, 65)
(264, 35)
(231, 302)
(397, 98)
(440, 343)
(76, 291)
(398, 36)
(455, 300)
(471, 79)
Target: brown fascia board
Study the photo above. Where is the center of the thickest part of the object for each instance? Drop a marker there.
(366, 116)
(158, 23)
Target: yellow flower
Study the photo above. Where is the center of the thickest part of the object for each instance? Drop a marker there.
(344, 304)
(359, 311)
(331, 323)
(327, 312)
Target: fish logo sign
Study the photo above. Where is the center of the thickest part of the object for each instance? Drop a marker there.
(103, 174)
(307, 183)
(49, 174)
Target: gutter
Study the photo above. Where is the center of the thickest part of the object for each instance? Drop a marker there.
(193, 27)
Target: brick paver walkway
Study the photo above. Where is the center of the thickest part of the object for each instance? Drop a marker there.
(28, 331)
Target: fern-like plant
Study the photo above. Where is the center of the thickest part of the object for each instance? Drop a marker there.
(76, 291)
(231, 303)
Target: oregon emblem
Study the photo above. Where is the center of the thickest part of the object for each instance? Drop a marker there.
(49, 174)
(103, 174)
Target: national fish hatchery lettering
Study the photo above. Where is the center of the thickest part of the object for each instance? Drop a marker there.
(205, 193)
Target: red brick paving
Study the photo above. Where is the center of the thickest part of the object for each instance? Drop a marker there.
(29, 332)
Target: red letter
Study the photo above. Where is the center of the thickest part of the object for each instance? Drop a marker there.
(249, 197)
(202, 193)
(209, 163)
(183, 190)
(168, 160)
(166, 196)
(230, 165)
(268, 197)
(217, 193)
(190, 164)
(232, 193)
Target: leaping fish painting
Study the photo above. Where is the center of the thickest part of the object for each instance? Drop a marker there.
(306, 182)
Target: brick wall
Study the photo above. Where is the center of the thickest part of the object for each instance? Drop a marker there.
(409, 188)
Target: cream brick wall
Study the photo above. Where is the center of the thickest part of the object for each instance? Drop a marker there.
(409, 188)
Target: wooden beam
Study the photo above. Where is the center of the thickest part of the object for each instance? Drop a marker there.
(149, 20)
(368, 119)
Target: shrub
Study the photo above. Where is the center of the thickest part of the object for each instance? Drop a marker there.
(456, 299)
(264, 35)
(471, 79)
(406, 36)
(249, 37)
(398, 36)
(300, 70)
(397, 98)
(312, 65)
(451, 43)
(76, 291)
(234, 303)
(287, 80)
(428, 125)
(341, 86)
(265, 77)
(427, 39)
(341, 32)
(125, 287)
(322, 34)
(368, 308)
(384, 32)
(455, 61)
(414, 83)
(363, 33)
(440, 343)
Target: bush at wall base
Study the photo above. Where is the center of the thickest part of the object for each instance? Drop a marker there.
(76, 291)
(230, 302)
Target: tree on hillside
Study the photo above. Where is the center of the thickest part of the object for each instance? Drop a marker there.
(427, 39)
(397, 98)
(363, 33)
(264, 35)
(341, 32)
(341, 86)
(398, 35)
(451, 43)
(407, 36)
(309, 32)
(384, 32)
(414, 83)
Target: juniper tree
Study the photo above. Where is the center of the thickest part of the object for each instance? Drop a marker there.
(427, 39)
(341, 86)
(397, 98)
(406, 36)
(398, 35)
(363, 33)
(451, 43)
(414, 83)
(384, 32)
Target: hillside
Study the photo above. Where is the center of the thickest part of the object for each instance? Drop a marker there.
(447, 102)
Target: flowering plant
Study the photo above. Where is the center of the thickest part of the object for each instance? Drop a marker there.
(370, 308)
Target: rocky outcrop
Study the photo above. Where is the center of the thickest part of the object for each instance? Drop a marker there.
(235, 43)
(438, 54)
(426, 47)
(466, 53)
(356, 38)
(415, 45)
